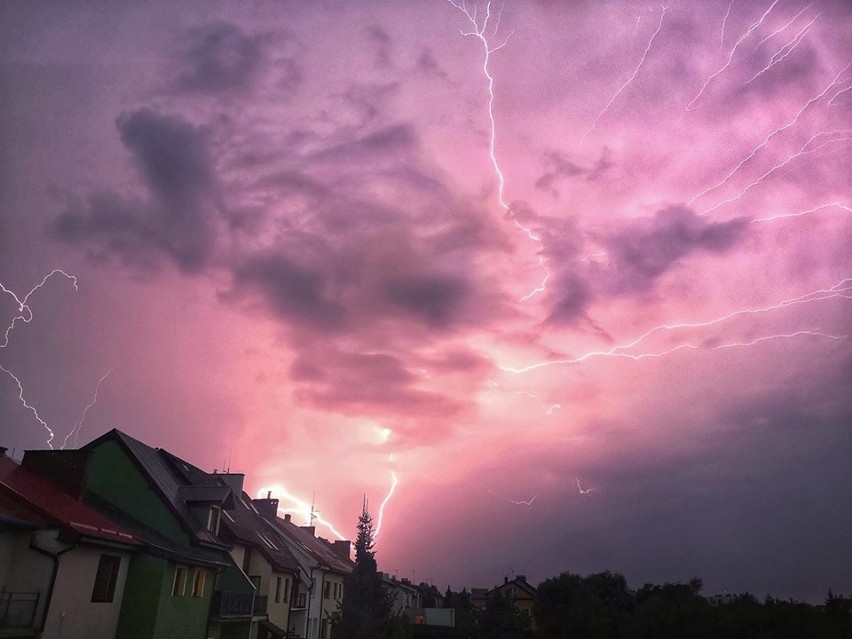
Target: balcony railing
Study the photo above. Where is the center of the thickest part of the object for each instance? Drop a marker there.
(259, 605)
(231, 604)
(17, 609)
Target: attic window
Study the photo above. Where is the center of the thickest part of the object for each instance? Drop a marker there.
(213, 519)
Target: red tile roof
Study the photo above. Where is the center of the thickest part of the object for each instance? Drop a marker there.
(47, 501)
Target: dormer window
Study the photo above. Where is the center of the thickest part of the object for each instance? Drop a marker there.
(213, 519)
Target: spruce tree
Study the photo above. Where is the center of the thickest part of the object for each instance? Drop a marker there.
(365, 612)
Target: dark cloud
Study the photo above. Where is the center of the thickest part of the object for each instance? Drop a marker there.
(382, 44)
(365, 383)
(434, 299)
(178, 218)
(572, 297)
(648, 247)
(293, 292)
(220, 57)
(558, 167)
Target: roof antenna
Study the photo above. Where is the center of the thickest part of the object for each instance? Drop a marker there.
(313, 519)
(230, 453)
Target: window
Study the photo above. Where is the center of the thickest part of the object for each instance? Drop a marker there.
(198, 581)
(105, 579)
(286, 590)
(213, 519)
(326, 590)
(179, 585)
(278, 590)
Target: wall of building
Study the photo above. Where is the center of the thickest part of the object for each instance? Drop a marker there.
(279, 612)
(114, 477)
(23, 570)
(72, 613)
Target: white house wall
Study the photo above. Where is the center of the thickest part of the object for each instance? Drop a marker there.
(72, 614)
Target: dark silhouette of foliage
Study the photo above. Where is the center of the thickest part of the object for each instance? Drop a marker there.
(366, 609)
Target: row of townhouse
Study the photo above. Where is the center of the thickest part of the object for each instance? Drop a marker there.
(119, 539)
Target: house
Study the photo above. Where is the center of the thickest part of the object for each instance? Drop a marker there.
(518, 592)
(326, 565)
(258, 549)
(63, 566)
(403, 593)
(186, 583)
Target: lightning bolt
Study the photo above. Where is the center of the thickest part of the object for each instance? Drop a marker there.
(301, 507)
(781, 52)
(25, 315)
(842, 289)
(76, 430)
(554, 408)
(784, 28)
(803, 151)
(524, 502)
(838, 93)
(380, 518)
(583, 491)
(690, 107)
(725, 22)
(626, 84)
(772, 134)
(782, 216)
(479, 32)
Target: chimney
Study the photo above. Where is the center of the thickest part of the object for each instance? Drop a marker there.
(68, 469)
(3, 450)
(234, 480)
(287, 517)
(521, 578)
(267, 507)
(310, 529)
(343, 549)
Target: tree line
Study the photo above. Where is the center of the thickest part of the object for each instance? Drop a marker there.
(571, 606)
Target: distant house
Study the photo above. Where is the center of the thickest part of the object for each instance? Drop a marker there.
(267, 560)
(403, 593)
(326, 565)
(63, 566)
(185, 584)
(517, 591)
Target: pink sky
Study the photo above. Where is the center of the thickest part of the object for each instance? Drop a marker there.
(294, 255)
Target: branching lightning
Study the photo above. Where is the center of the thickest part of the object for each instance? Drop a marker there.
(782, 216)
(76, 430)
(25, 314)
(300, 507)
(690, 107)
(381, 515)
(846, 137)
(626, 84)
(842, 289)
(771, 135)
(724, 23)
(784, 28)
(784, 51)
(524, 502)
(583, 491)
(479, 32)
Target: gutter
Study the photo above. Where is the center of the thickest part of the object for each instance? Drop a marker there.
(55, 558)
